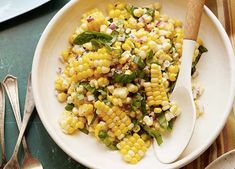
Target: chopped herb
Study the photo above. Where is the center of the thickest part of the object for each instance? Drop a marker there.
(96, 94)
(173, 49)
(97, 43)
(102, 92)
(139, 102)
(114, 34)
(120, 22)
(80, 96)
(128, 78)
(87, 86)
(159, 139)
(124, 78)
(106, 101)
(137, 60)
(99, 92)
(93, 119)
(110, 144)
(153, 133)
(143, 106)
(150, 12)
(162, 121)
(202, 50)
(93, 90)
(84, 130)
(87, 36)
(130, 9)
(102, 134)
(147, 78)
(140, 74)
(136, 101)
(135, 121)
(170, 126)
(69, 106)
(110, 20)
(149, 56)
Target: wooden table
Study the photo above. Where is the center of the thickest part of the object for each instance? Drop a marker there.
(18, 39)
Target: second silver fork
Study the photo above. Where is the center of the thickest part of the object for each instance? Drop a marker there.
(11, 86)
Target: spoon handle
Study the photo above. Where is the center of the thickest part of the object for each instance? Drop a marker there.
(11, 86)
(193, 19)
(28, 110)
(2, 117)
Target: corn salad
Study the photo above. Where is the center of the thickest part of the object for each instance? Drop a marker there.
(119, 71)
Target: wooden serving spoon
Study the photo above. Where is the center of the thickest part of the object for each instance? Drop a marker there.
(174, 144)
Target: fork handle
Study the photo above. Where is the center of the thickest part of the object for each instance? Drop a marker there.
(11, 86)
(2, 122)
(27, 116)
(28, 110)
(193, 19)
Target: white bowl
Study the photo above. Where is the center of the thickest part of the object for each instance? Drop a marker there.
(216, 68)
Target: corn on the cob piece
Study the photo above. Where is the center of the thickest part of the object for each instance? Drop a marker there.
(155, 90)
(101, 61)
(132, 148)
(70, 122)
(95, 63)
(116, 119)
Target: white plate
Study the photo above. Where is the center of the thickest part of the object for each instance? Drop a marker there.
(12, 8)
(216, 68)
(226, 161)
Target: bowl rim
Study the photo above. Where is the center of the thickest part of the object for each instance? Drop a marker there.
(186, 160)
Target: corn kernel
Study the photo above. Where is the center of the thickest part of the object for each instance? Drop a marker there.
(103, 82)
(132, 148)
(157, 110)
(138, 12)
(62, 97)
(132, 88)
(120, 92)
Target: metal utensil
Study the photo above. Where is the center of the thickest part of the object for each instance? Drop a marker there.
(11, 87)
(2, 119)
(168, 152)
(29, 106)
(225, 161)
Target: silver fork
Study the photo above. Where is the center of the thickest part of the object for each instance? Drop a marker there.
(11, 86)
(2, 117)
(28, 109)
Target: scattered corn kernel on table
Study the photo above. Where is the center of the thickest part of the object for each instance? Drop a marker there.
(18, 40)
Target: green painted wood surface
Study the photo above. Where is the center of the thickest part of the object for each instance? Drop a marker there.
(18, 40)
